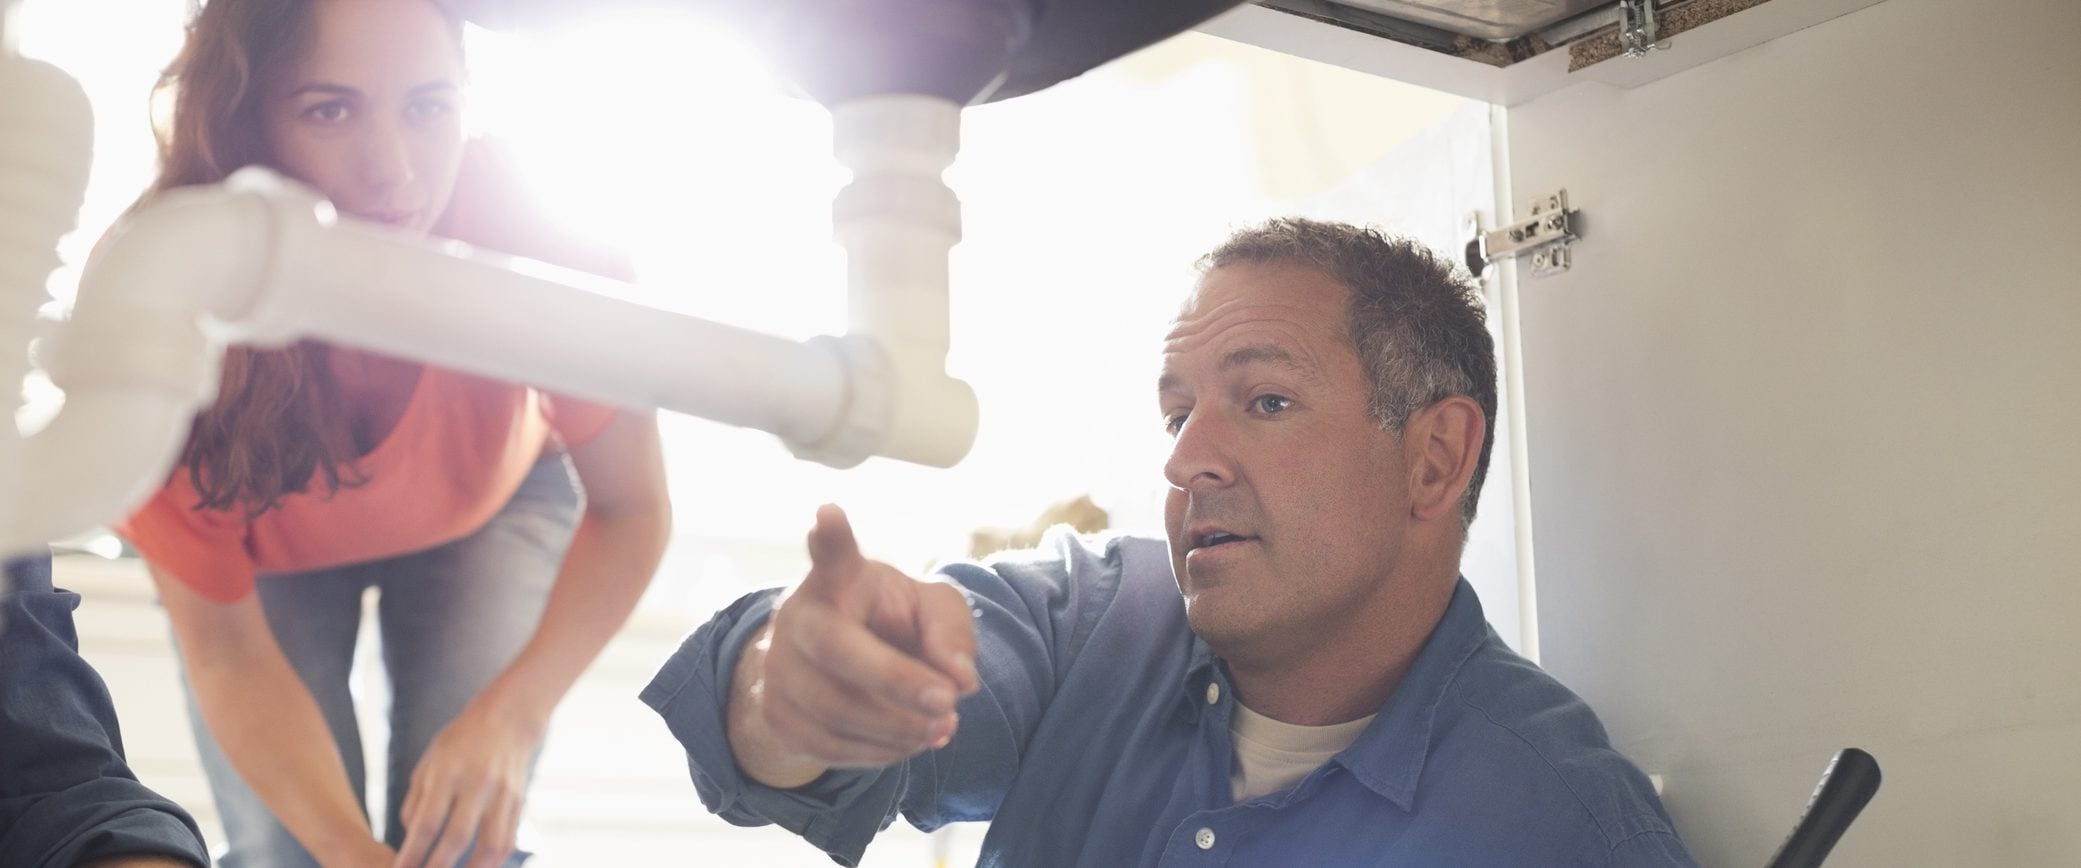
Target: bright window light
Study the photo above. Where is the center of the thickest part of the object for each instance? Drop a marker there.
(667, 137)
(1081, 217)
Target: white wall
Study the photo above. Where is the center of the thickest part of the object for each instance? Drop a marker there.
(1803, 421)
(1425, 189)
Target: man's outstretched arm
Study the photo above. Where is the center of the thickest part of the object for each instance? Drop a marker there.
(819, 708)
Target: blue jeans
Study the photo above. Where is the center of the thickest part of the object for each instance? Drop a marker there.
(449, 619)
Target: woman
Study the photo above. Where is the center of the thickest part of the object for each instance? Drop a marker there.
(321, 471)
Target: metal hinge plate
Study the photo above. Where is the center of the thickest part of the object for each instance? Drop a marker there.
(1544, 236)
(1638, 32)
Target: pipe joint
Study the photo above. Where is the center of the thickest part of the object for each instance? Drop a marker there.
(260, 309)
(898, 407)
(894, 132)
(136, 324)
(863, 418)
(918, 201)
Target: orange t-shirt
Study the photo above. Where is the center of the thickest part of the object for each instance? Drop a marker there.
(461, 449)
(456, 455)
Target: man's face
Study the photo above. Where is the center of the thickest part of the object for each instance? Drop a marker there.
(1288, 501)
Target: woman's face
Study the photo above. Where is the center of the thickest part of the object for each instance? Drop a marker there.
(371, 116)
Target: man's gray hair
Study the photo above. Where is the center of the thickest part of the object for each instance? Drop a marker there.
(1417, 320)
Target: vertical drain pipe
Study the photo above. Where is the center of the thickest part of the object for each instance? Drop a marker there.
(46, 147)
(897, 220)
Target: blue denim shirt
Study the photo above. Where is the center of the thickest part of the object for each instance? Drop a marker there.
(1101, 738)
(66, 795)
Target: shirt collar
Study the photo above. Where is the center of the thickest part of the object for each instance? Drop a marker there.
(1201, 670)
(1388, 757)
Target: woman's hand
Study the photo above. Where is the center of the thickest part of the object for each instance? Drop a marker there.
(470, 783)
(473, 777)
(372, 854)
(269, 726)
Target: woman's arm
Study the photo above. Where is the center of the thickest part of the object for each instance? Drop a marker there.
(473, 775)
(268, 724)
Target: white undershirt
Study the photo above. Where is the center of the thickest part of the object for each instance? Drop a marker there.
(1272, 756)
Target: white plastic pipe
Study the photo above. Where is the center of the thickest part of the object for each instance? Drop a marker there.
(519, 320)
(45, 152)
(897, 220)
(260, 259)
(135, 363)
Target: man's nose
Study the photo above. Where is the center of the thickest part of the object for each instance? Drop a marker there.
(1199, 454)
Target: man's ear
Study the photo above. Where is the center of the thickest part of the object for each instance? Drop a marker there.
(1444, 444)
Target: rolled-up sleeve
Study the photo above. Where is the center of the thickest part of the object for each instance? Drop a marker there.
(66, 794)
(1652, 849)
(838, 813)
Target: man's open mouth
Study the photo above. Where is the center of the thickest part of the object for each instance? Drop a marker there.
(1210, 539)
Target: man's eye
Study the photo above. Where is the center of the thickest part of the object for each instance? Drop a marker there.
(428, 109)
(1271, 405)
(1173, 423)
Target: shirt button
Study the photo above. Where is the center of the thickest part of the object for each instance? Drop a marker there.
(1205, 839)
(1213, 693)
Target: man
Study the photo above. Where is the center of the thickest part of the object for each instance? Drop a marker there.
(1302, 679)
(66, 796)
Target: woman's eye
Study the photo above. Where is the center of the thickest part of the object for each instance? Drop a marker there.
(1271, 405)
(327, 112)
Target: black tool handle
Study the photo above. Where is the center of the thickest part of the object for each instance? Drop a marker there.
(1851, 780)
